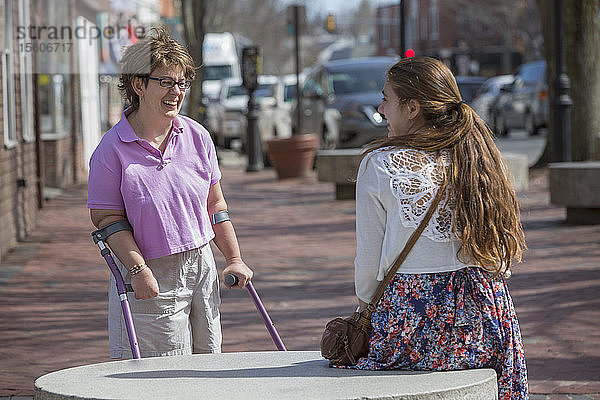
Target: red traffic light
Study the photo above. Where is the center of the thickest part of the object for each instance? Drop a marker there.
(409, 53)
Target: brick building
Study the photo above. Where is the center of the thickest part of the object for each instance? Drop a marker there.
(49, 108)
(471, 36)
(19, 151)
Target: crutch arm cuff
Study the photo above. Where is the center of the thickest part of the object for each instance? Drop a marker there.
(114, 227)
(219, 217)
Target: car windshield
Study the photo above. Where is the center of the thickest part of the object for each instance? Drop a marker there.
(468, 90)
(216, 72)
(289, 92)
(264, 90)
(488, 86)
(357, 81)
(533, 73)
(236, 91)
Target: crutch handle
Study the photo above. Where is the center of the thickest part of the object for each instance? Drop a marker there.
(231, 280)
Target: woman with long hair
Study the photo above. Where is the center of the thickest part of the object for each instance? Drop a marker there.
(448, 306)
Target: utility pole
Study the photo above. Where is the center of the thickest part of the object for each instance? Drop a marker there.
(401, 30)
(296, 9)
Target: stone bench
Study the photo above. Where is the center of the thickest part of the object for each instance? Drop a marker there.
(576, 185)
(257, 375)
(341, 165)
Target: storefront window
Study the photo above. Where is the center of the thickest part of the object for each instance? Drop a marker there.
(55, 104)
(54, 78)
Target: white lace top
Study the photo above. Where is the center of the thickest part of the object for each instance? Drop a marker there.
(394, 189)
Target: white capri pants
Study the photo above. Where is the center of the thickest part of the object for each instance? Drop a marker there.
(183, 319)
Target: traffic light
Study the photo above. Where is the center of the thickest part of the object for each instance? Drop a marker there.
(330, 24)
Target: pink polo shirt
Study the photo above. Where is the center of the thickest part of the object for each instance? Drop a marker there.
(163, 194)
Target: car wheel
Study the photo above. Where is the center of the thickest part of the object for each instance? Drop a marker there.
(499, 125)
(327, 142)
(266, 159)
(530, 126)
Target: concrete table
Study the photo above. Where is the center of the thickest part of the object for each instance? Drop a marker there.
(258, 375)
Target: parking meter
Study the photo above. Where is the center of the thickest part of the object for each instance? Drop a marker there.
(251, 67)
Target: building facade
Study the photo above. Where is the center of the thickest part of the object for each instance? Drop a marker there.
(473, 37)
(49, 105)
(20, 177)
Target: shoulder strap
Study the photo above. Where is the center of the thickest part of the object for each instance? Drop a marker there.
(408, 246)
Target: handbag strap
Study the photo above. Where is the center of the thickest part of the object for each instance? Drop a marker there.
(408, 246)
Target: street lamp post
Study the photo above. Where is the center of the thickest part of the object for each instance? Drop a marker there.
(561, 101)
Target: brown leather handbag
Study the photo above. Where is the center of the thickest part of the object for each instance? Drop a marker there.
(346, 339)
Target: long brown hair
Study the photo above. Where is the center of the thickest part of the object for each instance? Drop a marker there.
(486, 211)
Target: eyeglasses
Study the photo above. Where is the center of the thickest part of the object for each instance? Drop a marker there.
(170, 83)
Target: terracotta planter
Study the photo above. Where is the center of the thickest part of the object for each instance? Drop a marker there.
(293, 157)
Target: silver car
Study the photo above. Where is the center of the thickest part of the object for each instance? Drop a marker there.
(524, 103)
(487, 94)
(275, 116)
(228, 115)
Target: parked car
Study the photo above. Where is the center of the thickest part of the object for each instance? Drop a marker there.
(487, 94)
(524, 103)
(228, 114)
(340, 99)
(275, 116)
(468, 86)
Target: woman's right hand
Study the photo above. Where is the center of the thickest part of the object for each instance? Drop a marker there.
(144, 284)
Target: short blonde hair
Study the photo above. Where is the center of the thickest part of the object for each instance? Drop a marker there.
(155, 50)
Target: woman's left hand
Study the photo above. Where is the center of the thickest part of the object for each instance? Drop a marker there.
(241, 270)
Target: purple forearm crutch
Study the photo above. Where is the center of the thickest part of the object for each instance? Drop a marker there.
(232, 280)
(99, 237)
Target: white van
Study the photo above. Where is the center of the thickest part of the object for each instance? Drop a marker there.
(221, 61)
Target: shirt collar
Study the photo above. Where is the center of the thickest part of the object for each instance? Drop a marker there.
(177, 126)
(124, 129)
(127, 135)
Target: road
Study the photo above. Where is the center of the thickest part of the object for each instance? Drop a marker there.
(520, 142)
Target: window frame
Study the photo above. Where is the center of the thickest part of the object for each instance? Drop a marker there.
(8, 84)
(26, 76)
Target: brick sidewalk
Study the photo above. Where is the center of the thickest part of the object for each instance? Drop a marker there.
(300, 242)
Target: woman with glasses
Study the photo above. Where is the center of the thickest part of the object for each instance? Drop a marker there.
(159, 170)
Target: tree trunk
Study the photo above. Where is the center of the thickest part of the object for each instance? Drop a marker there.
(193, 13)
(582, 52)
(582, 35)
